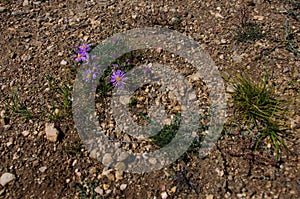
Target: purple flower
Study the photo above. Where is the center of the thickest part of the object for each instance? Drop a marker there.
(147, 70)
(90, 76)
(81, 56)
(94, 76)
(115, 67)
(87, 75)
(116, 56)
(82, 52)
(117, 78)
(114, 40)
(235, 48)
(84, 48)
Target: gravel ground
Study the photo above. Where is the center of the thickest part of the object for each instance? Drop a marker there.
(43, 157)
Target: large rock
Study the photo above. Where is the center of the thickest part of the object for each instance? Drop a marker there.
(25, 3)
(6, 178)
(51, 132)
(107, 159)
(2, 9)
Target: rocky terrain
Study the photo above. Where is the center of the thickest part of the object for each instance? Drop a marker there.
(42, 155)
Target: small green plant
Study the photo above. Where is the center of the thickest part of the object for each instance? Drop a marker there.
(133, 102)
(104, 86)
(73, 148)
(17, 106)
(256, 104)
(52, 115)
(247, 31)
(291, 44)
(86, 190)
(114, 75)
(166, 135)
(274, 134)
(197, 143)
(64, 91)
(293, 8)
(255, 101)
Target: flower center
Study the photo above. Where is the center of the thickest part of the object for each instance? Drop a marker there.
(79, 55)
(118, 79)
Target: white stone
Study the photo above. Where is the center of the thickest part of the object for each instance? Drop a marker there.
(6, 178)
(210, 196)
(98, 190)
(43, 169)
(2, 9)
(218, 15)
(164, 195)
(220, 172)
(105, 172)
(134, 16)
(259, 18)
(85, 38)
(230, 89)
(63, 62)
(2, 114)
(25, 133)
(9, 143)
(51, 132)
(6, 127)
(25, 3)
(123, 186)
(237, 58)
(192, 96)
(49, 47)
(195, 77)
(223, 41)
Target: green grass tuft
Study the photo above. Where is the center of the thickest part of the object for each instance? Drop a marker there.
(14, 103)
(256, 104)
(64, 92)
(255, 101)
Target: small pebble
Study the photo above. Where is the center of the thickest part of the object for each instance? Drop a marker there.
(25, 133)
(2, 114)
(25, 3)
(173, 190)
(106, 186)
(63, 63)
(6, 127)
(123, 186)
(99, 190)
(164, 195)
(43, 169)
